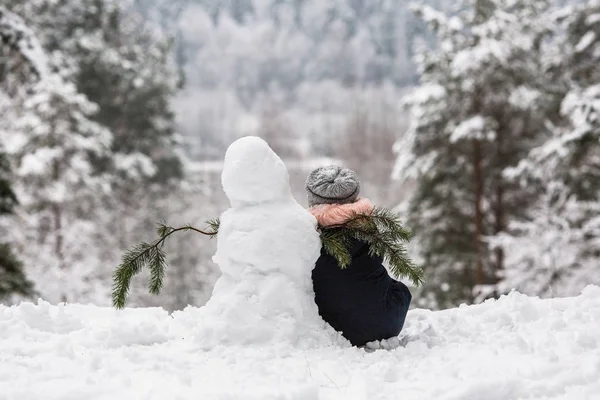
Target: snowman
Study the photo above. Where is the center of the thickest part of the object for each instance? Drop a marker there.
(267, 247)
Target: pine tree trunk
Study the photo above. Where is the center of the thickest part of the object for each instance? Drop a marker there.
(478, 185)
(58, 243)
(505, 128)
(58, 246)
(482, 11)
(499, 226)
(499, 206)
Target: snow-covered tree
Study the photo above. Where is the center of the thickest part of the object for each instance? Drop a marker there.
(554, 248)
(124, 67)
(581, 105)
(51, 142)
(12, 277)
(54, 145)
(554, 251)
(23, 62)
(479, 107)
(93, 139)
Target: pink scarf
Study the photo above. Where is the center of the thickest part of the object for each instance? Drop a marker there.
(336, 214)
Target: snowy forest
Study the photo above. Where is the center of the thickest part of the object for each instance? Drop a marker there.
(478, 121)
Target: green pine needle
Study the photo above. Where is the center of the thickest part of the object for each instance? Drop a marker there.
(385, 235)
(162, 229)
(214, 225)
(151, 256)
(157, 268)
(335, 244)
(131, 264)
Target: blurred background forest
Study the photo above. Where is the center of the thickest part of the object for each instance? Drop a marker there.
(477, 120)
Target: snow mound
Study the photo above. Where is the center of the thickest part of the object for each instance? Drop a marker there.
(267, 247)
(514, 348)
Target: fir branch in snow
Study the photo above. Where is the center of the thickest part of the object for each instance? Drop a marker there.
(385, 235)
(149, 255)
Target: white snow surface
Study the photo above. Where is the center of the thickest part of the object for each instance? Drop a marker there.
(267, 247)
(514, 348)
(260, 336)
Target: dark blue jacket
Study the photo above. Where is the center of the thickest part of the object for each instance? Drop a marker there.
(362, 301)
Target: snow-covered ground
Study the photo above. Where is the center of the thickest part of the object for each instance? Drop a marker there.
(259, 336)
(514, 348)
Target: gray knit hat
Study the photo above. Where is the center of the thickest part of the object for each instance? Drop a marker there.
(332, 185)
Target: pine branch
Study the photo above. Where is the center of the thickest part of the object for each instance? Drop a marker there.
(385, 245)
(385, 235)
(381, 220)
(163, 229)
(151, 256)
(157, 267)
(395, 255)
(336, 244)
(214, 225)
(132, 263)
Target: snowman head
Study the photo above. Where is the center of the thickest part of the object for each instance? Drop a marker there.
(253, 173)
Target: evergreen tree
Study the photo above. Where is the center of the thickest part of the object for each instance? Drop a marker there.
(22, 61)
(561, 234)
(553, 251)
(12, 277)
(59, 191)
(581, 105)
(480, 107)
(51, 143)
(8, 198)
(98, 136)
(124, 68)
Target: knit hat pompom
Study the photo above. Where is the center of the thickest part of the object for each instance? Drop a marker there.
(332, 185)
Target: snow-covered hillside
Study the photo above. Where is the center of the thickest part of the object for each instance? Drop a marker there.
(514, 348)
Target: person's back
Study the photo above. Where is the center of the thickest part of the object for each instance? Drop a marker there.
(362, 301)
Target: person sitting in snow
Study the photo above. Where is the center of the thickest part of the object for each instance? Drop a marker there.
(361, 301)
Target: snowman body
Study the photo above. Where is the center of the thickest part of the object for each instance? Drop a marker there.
(267, 247)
